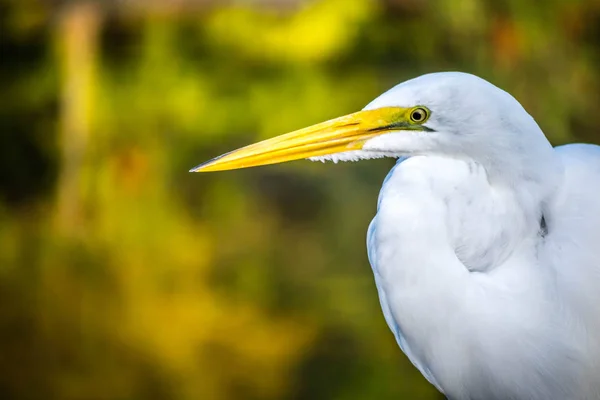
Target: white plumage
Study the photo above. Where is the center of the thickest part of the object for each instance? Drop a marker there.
(486, 243)
(486, 247)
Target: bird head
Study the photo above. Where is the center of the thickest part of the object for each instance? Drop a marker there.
(449, 114)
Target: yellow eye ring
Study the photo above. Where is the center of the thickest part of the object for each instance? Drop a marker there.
(419, 115)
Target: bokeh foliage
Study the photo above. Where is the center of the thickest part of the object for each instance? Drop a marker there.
(124, 277)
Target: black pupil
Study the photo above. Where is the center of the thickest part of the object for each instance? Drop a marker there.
(418, 115)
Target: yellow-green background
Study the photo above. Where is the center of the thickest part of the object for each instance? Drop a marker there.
(122, 276)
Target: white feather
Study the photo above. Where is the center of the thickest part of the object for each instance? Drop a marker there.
(483, 302)
(354, 155)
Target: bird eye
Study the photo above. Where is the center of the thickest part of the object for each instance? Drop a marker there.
(418, 115)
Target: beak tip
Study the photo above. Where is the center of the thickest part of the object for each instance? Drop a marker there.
(198, 168)
(202, 167)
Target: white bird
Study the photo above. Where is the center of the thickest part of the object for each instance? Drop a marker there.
(486, 243)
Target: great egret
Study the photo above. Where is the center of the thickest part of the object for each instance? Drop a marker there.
(486, 242)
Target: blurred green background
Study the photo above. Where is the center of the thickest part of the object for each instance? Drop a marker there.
(122, 276)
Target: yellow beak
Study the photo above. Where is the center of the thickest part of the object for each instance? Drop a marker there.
(346, 133)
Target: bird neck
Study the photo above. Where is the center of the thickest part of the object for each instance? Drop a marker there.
(436, 218)
(483, 222)
(438, 221)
